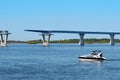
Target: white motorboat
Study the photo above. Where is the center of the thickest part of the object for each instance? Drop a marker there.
(94, 56)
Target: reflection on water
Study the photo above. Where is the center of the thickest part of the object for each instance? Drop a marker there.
(97, 61)
(91, 60)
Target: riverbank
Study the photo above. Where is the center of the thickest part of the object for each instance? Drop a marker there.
(87, 41)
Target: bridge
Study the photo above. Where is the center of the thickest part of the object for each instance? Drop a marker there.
(3, 38)
(80, 33)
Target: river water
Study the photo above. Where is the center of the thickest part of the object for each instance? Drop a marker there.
(58, 62)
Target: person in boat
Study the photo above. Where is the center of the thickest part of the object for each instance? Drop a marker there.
(99, 54)
(93, 53)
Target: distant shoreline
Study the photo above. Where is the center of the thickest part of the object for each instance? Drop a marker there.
(87, 41)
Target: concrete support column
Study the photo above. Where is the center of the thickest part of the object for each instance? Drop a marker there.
(46, 42)
(0, 38)
(81, 42)
(3, 38)
(43, 38)
(112, 42)
(49, 35)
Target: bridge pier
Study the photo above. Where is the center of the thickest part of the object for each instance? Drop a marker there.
(81, 42)
(46, 42)
(3, 38)
(112, 41)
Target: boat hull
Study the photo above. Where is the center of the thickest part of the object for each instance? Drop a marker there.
(88, 59)
(92, 58)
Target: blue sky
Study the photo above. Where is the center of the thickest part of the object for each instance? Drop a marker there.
(80, 15)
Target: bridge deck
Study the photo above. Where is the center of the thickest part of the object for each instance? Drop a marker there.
(75, 32)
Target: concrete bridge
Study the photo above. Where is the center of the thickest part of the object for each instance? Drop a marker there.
(80, 33)
(3, 38)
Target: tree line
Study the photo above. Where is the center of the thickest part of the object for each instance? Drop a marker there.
(88, 41)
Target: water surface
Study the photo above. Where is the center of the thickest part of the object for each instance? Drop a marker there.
(58, 62)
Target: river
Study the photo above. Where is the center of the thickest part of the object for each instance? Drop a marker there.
(58, 62)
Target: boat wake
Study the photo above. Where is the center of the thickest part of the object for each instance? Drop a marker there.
(112, 60)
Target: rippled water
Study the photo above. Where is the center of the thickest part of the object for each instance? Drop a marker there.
(58, 62)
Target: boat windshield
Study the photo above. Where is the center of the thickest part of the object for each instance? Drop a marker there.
(95, 52)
